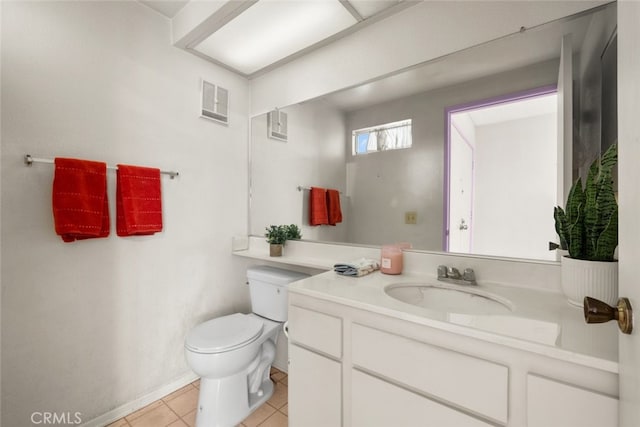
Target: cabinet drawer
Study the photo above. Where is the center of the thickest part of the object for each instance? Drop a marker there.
(376, 403)
(552, 403)
(316, 330)
(475, 384)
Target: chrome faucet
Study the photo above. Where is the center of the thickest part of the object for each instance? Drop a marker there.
(452, 275)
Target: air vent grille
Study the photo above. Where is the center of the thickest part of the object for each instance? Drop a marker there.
(277, 128)
(215, 103)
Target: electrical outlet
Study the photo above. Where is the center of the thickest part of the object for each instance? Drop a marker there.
(411, 217)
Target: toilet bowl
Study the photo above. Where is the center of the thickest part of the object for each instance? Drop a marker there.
(233, 354)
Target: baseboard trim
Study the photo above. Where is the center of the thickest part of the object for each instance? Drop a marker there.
(284, 369)
(128, 408)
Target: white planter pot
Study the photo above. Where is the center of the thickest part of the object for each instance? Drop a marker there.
(596, 279)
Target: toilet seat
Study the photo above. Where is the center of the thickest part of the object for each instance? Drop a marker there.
(224, 334)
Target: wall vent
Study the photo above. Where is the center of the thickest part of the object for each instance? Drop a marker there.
(277, 125)
(215, 103)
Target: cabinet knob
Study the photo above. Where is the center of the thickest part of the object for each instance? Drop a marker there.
(596, 311)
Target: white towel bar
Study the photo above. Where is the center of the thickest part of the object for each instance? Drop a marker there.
(29, 160)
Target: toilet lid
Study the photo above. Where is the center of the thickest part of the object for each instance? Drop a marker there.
(224, 333)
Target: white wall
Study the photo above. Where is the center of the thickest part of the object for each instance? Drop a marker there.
(372, 52)
(314, 155)
(515, 188)
(382, 186)
(93, 325)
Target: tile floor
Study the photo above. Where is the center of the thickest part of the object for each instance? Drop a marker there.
(178, 409)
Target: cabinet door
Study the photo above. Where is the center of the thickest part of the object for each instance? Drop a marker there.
(377, 403)
(471, 383)
(550, 403)
(315, 389)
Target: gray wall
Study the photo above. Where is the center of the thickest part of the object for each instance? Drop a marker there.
(313, 156)
(587, 140)
(382, 186)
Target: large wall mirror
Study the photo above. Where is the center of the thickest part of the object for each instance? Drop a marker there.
(467, 153)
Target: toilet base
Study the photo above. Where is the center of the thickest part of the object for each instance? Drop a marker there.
(232, 402)
(257, 399)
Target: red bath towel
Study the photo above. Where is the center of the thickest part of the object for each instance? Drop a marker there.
(80, 205)
(318, 206)
(138, 201)
(333, 207)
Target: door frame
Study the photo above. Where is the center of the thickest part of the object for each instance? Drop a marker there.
(474, 105)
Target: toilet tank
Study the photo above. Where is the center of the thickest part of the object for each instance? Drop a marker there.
(268, 287)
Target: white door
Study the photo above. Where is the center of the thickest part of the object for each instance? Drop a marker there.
(460, 193)
(629, 200)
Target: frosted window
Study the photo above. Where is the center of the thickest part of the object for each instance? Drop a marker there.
(390, 136)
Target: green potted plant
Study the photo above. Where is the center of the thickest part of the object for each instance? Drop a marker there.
(293, 232)
(588, 229)
(277, 235)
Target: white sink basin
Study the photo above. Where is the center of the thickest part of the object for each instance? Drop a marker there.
(449, 298)
(475, 308)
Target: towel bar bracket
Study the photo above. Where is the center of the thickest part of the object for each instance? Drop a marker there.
(30, 160)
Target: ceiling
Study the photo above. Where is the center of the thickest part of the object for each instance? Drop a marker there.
(523, 49)
(168, 8)
(522, 109)
(251, 37)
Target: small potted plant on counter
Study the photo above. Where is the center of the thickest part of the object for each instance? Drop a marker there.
(277, 235)
(588, 229)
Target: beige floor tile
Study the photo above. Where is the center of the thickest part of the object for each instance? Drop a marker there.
(178, 423)
(178, 392)
(158, 417)
(276, 420)
(190, 418)
(259, 415)
(120, 423)
(285, 409)
(280, 396)
(196, 384)
(140, 412)
(278, 376)
(185, 402)
(285, 380)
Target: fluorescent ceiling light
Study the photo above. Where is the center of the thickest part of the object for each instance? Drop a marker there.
(271, 30)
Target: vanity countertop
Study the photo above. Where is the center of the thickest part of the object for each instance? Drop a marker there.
(541, 322)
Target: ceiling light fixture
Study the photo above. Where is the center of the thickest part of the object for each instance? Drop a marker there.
(271, 30)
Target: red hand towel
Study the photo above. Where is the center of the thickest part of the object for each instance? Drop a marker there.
(318, 206)
(80, 205)
(138, 201)
(333, 207)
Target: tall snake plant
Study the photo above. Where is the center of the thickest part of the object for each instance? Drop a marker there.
(588, 227)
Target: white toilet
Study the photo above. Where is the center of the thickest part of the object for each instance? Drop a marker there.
(233, 354)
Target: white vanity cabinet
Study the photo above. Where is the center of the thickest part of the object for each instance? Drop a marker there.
(355, 367)
(552, 403)
(378, 403)
(446, 377)
(315, 368)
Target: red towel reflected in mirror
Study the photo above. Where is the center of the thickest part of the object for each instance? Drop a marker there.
(334, 212)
